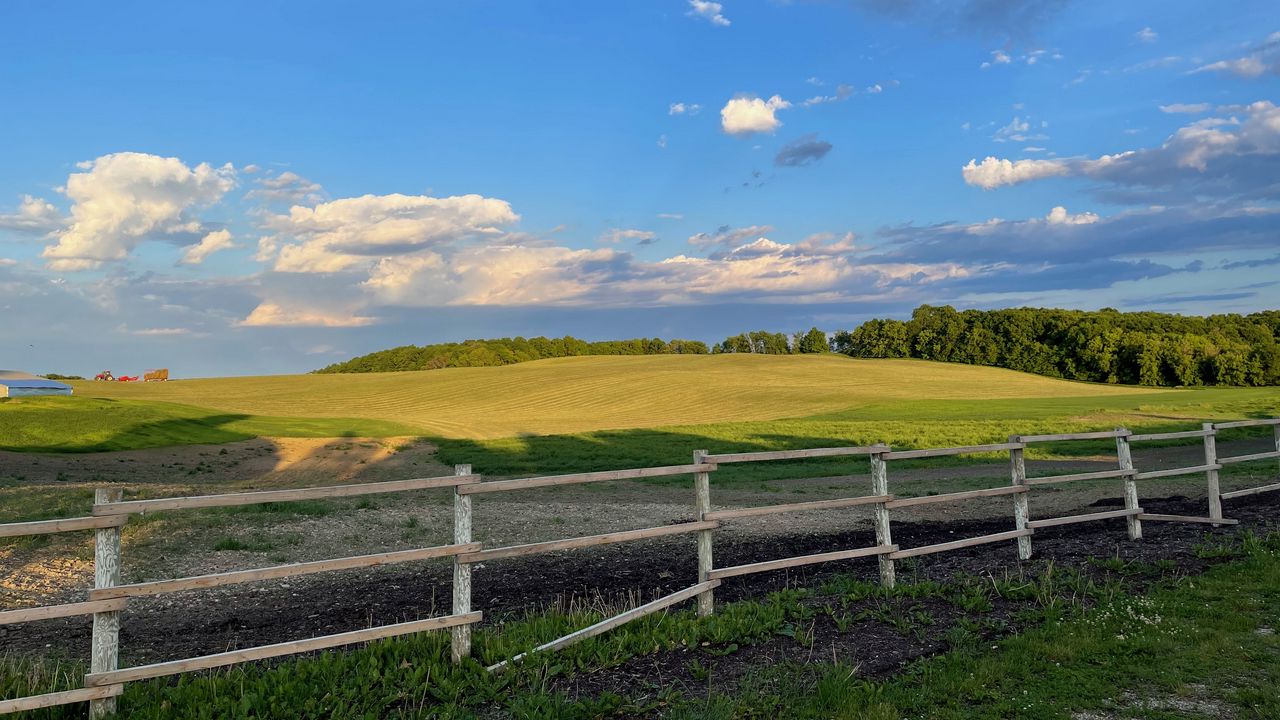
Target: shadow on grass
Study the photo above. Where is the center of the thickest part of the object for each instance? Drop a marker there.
(618, 449)
(168, 432)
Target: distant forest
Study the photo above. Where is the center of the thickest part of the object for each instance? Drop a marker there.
(506, 351)
(1139, 348)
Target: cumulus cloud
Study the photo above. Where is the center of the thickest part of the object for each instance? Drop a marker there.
(34, 214)
(1146, 35)
(1060, 216)
(122, 199)
(802, 151)
(1237, 154)
(287, 187)
(993, 172)
(496, 275)
(352, 232)
(709, 11)
(270, 314)
(748, 114)
(820, 267)
(208, 245)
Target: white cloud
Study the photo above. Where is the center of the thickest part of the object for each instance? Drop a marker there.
(671, 216)
(1250, 67)
(728, 237)
(684, 109)
(161, 331)
(828, 244)
(1220, 155)
(993, 172)
(494, 275)
(287, 187)
(1060, 216)
(270, 314)
(843, 92)
(208, 245)
(1187, 108)
(662, 141)
(1018, 130)
(998, 57)
(710, 11)
(352, 232)
(34, 215)
(748, 114)
(1265, 58)
(815, 269)
(1146, 35)
(125, 198)
(250, 169)
(618, 235)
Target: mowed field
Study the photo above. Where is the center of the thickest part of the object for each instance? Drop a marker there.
(569, 395)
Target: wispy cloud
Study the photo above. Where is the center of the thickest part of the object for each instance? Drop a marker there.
(712, 12)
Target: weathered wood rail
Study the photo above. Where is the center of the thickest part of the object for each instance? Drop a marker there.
(110, 597)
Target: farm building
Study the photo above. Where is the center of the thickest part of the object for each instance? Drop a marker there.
(19, 384)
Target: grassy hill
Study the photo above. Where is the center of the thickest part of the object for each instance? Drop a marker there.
(579, 394)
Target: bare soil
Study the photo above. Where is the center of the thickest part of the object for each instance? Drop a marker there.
(201, 622)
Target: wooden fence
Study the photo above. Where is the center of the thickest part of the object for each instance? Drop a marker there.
(109, 598)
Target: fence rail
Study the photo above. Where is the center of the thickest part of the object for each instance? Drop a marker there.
(110, 597)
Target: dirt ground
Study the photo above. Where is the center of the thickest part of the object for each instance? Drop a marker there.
(199, 622)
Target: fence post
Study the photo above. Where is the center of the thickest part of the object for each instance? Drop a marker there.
(1275, 430)
(1021, 505)
(461, 570)
(105, 651)
(1125, 456)
(1211, 475)
(880, 486)
(702, 506)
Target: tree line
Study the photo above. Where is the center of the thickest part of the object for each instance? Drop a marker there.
(506, 351)
(1133, 348)
(1108, 346)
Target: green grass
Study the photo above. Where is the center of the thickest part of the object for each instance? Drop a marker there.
(1092, 647)
(574, 414)
(85, 424)
(569, 395)
(906, 424)
(1203, 647)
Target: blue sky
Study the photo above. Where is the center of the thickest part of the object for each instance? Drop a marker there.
(244, 188)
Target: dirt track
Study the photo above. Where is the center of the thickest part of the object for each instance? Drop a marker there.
(168, 628)
(184, 625)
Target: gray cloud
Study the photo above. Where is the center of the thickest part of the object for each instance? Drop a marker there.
(802, 151)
